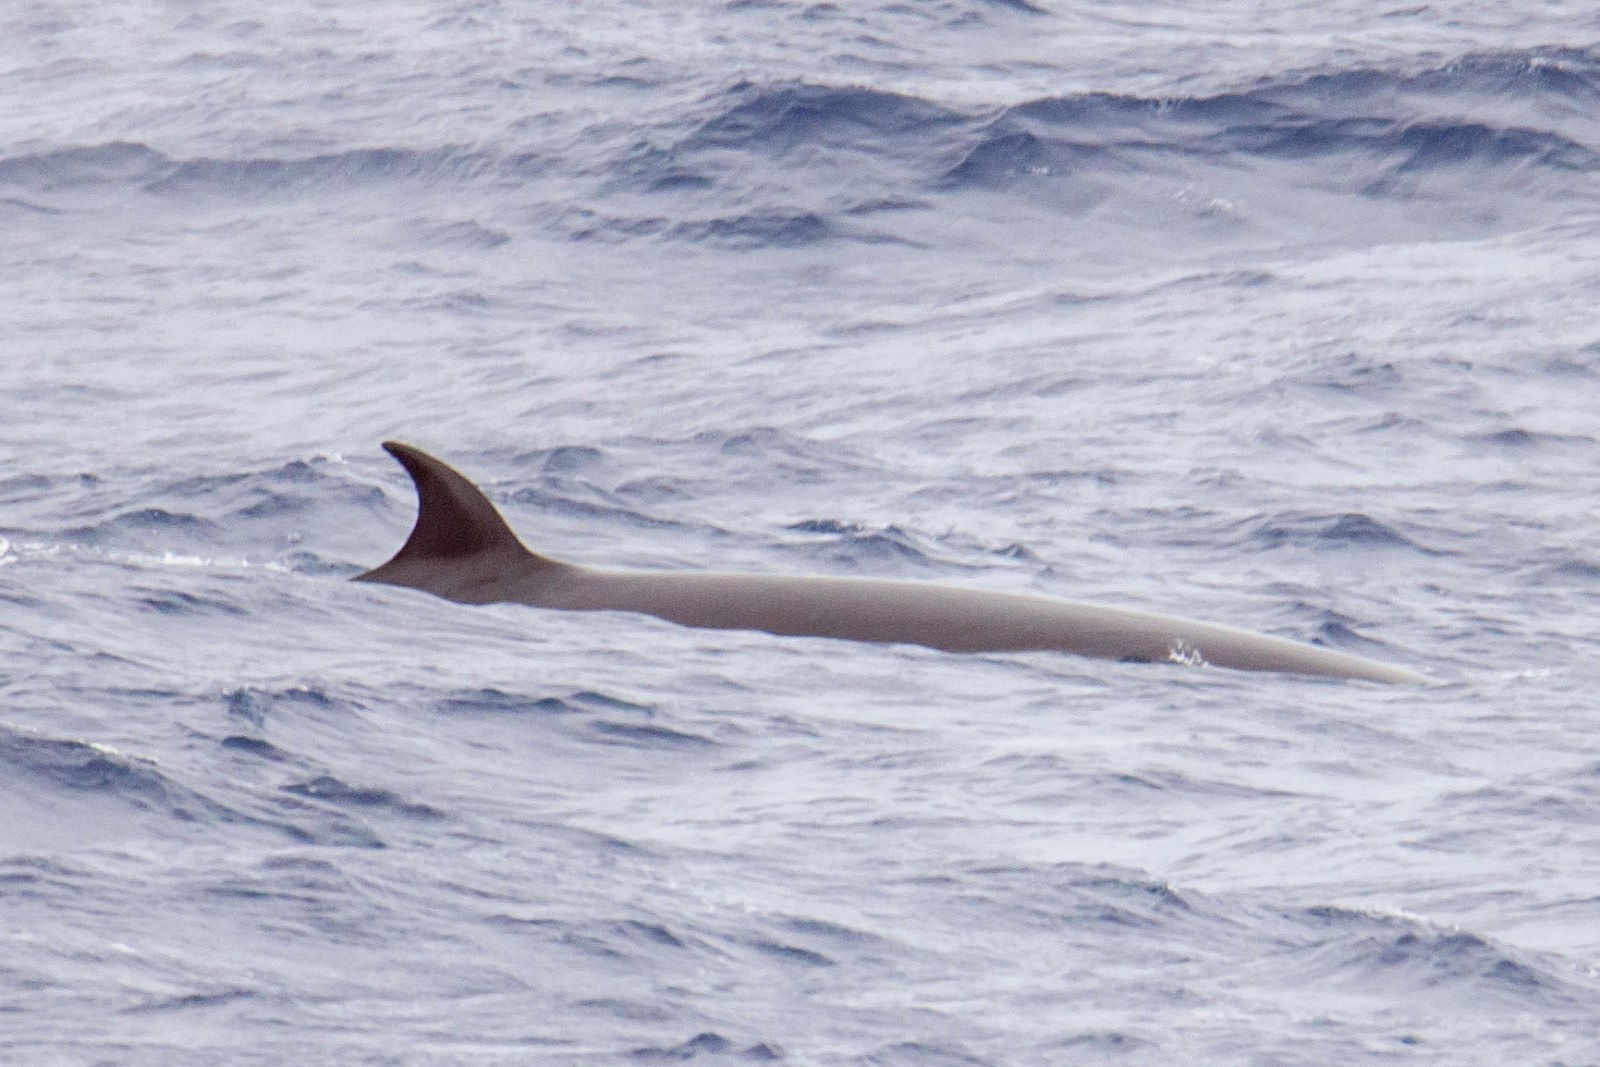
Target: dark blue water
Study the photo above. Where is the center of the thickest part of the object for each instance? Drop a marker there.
(1276, 315)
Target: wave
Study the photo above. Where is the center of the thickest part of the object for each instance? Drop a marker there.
(1395, 956)
(1274, 153)
(596, 710)
(1337, 531)
(254, 705)
(1484, 140)
(647, 735)
(81, 766)
(845, 546)
(60, 780)
(327, 789)
(1305, 116)
(707, 1044)
(79, 780)
(135, 166)
(499, 702)
(138, 523)
(201, 520)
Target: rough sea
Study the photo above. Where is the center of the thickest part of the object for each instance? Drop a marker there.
(1275, 313)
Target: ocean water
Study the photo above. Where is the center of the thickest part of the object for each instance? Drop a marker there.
(1274, 314)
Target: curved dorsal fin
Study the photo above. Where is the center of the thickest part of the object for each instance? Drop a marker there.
(454, 518)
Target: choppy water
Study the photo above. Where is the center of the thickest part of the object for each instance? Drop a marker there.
(1274, 314)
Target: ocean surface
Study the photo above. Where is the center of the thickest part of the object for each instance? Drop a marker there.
(1280, 314)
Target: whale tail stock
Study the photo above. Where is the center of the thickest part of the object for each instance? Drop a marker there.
(456, 525)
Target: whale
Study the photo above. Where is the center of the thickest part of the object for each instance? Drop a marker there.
(462, 549)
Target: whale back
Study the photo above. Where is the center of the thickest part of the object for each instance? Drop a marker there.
(463, 550)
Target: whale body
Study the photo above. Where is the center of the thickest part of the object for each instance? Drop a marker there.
(461, 549)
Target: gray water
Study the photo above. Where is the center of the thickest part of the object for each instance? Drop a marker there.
(1274, 315)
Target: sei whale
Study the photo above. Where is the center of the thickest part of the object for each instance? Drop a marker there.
(461, 549)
